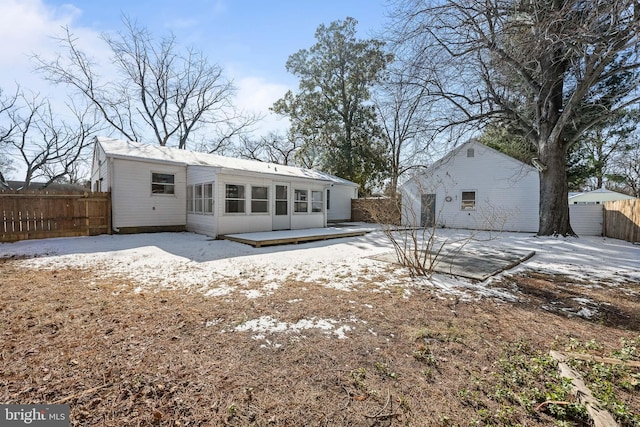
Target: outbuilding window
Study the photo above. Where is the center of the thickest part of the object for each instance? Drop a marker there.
(163, 183)
(301, 201)
(234, 199)
(468, 201)
(259, 199)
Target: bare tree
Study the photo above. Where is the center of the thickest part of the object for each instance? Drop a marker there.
(46, 146)
(539, 66)
(164, 91)
(404, 111)
(7, 128)
(627, 167)
(274, 148)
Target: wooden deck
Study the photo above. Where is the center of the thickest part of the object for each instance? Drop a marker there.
(287, 237)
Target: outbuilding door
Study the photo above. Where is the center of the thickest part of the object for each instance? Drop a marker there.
(282, 206)
(428, 210)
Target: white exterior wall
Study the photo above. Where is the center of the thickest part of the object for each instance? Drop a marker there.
(340, 202)
(203, 223)
(507, 192)
(133, 204)
(128, 176)
(247, 222)
(586, 220)
(309, 219)
(229, 223)
(100, 170)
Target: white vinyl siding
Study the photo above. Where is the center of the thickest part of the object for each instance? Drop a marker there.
(133, 203)
(586, 220)
(489, 191)
(339, 202)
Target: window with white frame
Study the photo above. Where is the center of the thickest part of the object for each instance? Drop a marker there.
(259, 199)
(207, 198)
(163, 183)
(468, 201)
(316, 201)
(234, 198)
(190, 198)
(200, 198)
(300, 201)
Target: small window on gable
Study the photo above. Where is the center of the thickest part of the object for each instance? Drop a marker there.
(468, 201)
(163, 183)
(470, 152)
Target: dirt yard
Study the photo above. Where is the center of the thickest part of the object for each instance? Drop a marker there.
(120, 356)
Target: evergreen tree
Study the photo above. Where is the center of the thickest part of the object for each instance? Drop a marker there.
(332, 110)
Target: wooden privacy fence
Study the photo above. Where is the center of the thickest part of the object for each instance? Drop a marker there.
(622, 220)
(382, 210)
(42, 214)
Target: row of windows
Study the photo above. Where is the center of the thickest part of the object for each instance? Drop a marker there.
(234, 199)
(200, 199)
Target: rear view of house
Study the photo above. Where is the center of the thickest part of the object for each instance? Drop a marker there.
(157, 188)
(474, 187)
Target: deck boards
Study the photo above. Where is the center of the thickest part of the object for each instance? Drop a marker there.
(285, 237)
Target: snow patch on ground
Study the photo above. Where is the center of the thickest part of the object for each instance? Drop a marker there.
(219, 268)
(268, 324)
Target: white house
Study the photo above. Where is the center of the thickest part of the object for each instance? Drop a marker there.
(474, 187)
(597, 197)
(161, 188)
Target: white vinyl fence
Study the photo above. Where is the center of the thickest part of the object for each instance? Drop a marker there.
(586, 220)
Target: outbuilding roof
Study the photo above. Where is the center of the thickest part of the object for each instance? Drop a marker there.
(599, 195)
(136, 150)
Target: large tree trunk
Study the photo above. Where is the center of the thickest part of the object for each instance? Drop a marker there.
(554, 201)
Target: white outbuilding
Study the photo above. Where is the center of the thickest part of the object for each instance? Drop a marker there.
(156, 188)
(474, 187)
(597, 197)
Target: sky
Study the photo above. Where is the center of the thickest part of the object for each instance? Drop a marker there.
(250, 39)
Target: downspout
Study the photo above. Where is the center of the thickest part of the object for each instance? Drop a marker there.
(111, 189)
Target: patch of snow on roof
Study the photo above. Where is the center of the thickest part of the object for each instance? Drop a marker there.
(136, 150)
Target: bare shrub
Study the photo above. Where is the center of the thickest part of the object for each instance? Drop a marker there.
(414, 237)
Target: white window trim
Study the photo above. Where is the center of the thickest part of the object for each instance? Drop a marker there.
(317, 202)
(244, 212)
(475, 200)
(267, 200)
(162, 183)
(191, 203)
(296, 201)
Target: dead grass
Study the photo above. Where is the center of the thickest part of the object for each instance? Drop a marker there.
(173, 358)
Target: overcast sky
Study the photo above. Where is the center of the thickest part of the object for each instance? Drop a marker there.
(250, 39)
